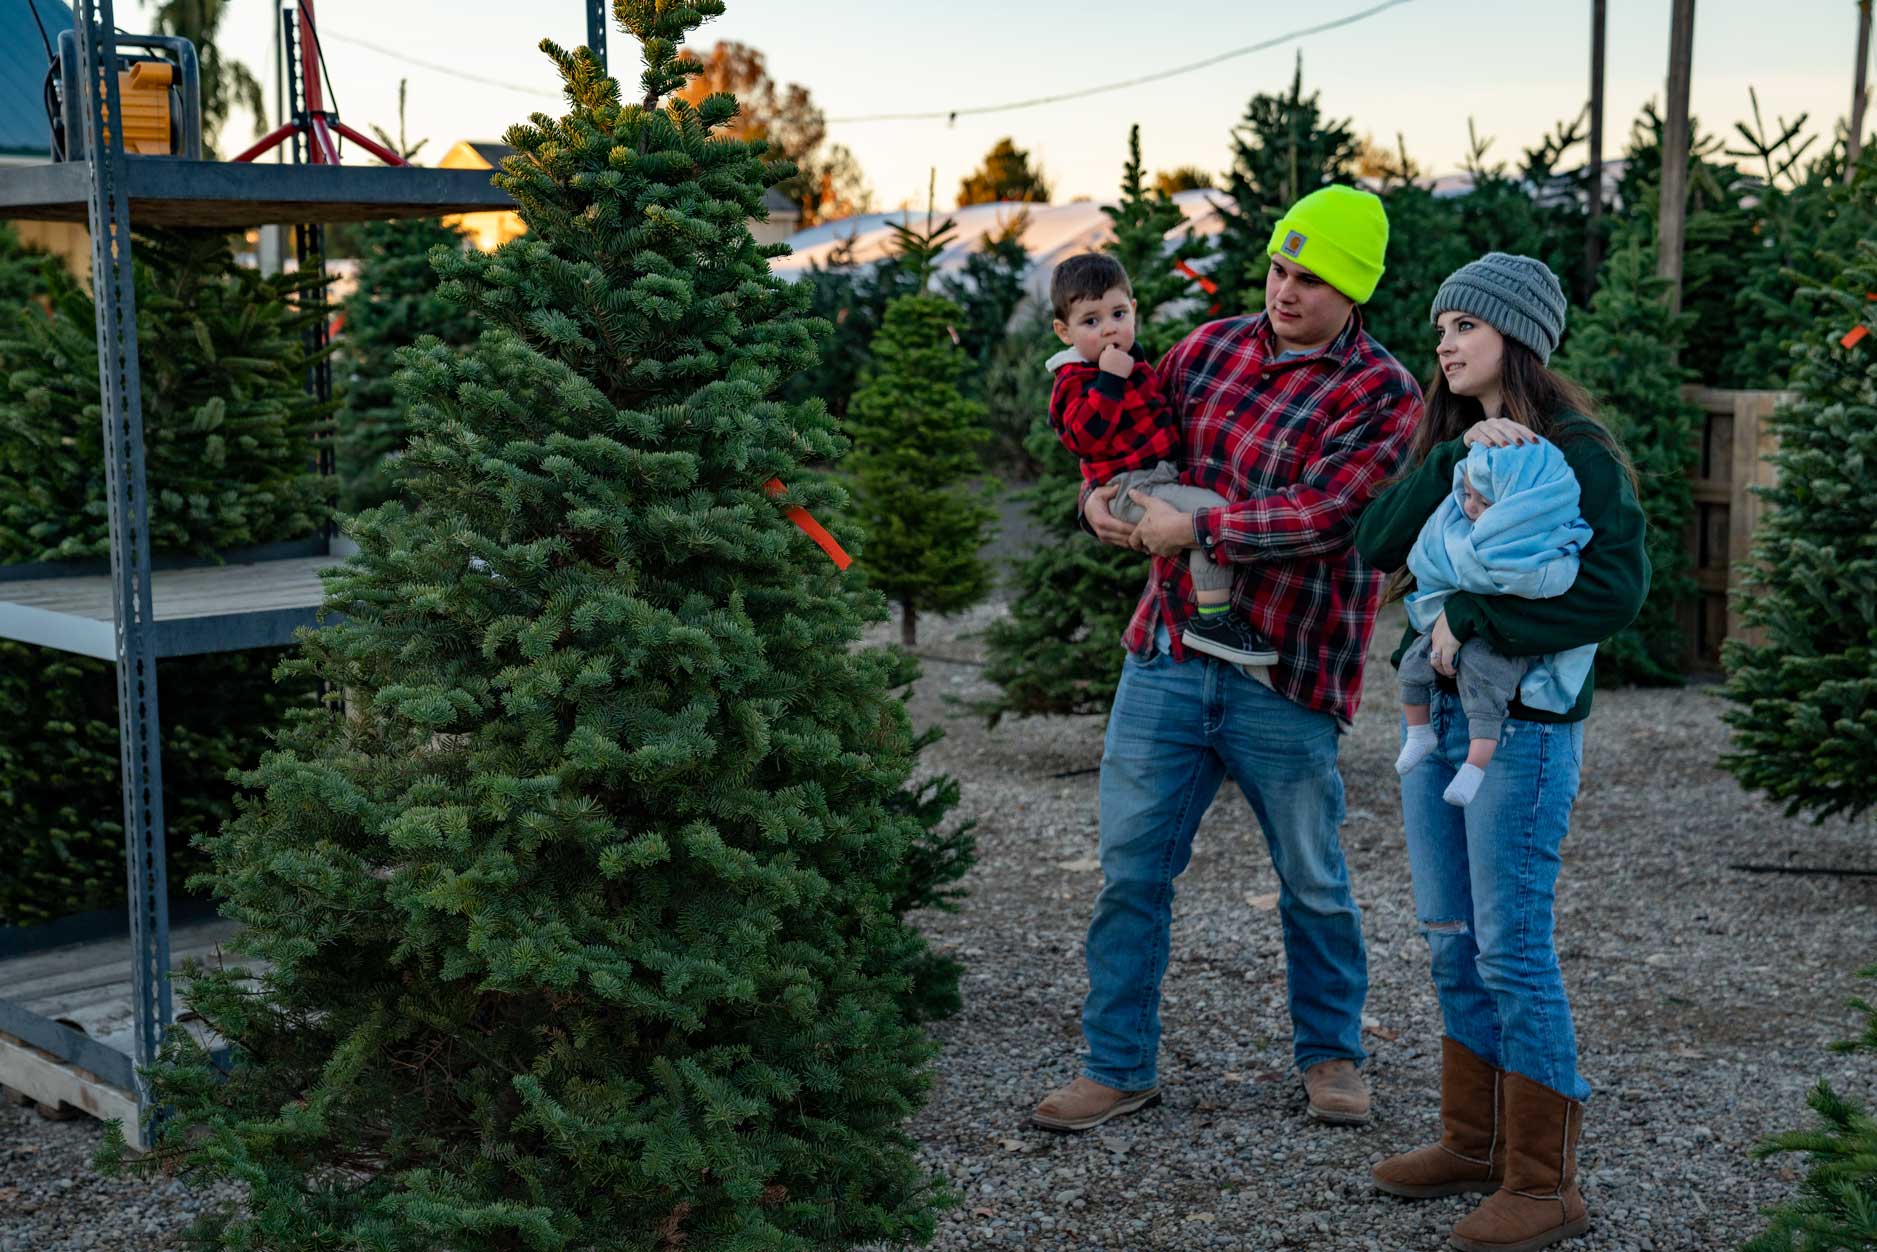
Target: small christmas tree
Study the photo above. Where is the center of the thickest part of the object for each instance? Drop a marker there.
(1724, 242)
(20, 272)
(1161, 272)
(1805, 232)
(579, 914)
(1016, 389)
(226, 446)
(1396, 316)
(61, 794)
(987, 290)
(916, 440)
(395, 303)
(1531, 211)
(1059, 650)
(1805, 715)
(1835, 1209)
(228, 436)
(1282, 150)
(1623, 352)
(852, 298)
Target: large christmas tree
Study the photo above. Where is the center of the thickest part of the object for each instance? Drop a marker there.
(228, 436)
(580, 913)
(1805, 721)
(916, 442)
(1059, 650)
(1623, 352)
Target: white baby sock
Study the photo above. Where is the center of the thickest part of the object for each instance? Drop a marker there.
(1465, 785)
(1419, 742)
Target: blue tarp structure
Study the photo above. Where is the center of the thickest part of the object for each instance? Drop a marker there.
(23, 132)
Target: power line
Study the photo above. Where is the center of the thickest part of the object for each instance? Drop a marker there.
(448, 70)
(945, 115)
(451, 71)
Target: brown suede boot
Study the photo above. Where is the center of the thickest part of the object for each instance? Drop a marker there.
(1471, 1154)
(1085, 1104)
(1539, 1203)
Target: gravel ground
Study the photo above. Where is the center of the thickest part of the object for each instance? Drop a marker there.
(1705, 997)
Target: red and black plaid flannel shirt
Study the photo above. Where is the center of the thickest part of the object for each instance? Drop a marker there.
(1298, 446)
(1113, 424)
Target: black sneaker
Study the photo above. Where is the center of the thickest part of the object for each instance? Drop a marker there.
(1228, 637)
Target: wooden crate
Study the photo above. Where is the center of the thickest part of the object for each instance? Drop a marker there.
(1735, 447)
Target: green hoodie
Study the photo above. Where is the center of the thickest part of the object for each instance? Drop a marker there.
(1611, 583)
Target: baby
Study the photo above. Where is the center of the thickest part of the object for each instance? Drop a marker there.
(1511, 527)
(1108, 409)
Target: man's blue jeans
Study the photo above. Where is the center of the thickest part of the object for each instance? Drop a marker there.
(1485, 878)
(1175, 732)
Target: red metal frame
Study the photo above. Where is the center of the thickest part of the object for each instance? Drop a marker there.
(316, 123)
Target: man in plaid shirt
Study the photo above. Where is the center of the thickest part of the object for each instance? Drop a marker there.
(1297, 417)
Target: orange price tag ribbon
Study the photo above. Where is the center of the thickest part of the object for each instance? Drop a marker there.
(1205, 284)
(1854, 337)
(810, 527)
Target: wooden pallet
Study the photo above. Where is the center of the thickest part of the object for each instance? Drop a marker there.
(86, 986)
(1734, 446)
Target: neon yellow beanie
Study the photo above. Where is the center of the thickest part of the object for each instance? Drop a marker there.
(1340, 234)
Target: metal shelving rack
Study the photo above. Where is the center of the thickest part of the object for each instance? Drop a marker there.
(142, 610)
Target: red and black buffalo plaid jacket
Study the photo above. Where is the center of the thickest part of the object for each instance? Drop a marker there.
(1112, 424)
(1298, 446)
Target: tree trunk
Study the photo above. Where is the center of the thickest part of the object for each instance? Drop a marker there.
(1593, 232)
(1854, 143)
(1674, 209)
(908, 625)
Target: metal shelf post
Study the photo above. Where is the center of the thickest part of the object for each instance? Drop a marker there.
(138, 723)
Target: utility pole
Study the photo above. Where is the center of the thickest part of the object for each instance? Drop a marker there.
(1593, 235)
(1854, 143)
(1675, 142)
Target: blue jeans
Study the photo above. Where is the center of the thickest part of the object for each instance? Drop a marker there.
(1175, 731)
(1485, 877)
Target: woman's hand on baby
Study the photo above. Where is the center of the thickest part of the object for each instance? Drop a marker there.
(1164, 530)
(1107, 527)
(1499, 432)
(1443, 650)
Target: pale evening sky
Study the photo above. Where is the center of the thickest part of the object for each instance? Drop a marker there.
(1421, 68)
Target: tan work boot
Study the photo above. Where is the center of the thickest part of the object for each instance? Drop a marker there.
(1085, 1104)
(1471, 1154)
(1337, 1093)
(1539, 1204)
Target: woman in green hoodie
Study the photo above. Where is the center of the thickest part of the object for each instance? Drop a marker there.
(1485, 875)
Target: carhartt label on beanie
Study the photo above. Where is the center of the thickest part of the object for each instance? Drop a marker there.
(1518, 296)
(1340, 234)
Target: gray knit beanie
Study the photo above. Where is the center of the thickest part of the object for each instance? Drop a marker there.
(1517, 296)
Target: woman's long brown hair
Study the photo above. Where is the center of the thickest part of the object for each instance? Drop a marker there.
(1535, 396)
